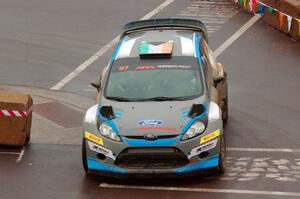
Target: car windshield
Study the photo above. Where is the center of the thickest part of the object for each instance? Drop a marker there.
(164, 79)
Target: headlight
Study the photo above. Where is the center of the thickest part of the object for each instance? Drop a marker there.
(214, 112)
(108, 132)
(196, 129)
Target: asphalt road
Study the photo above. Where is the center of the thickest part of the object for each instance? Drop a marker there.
(43, 41)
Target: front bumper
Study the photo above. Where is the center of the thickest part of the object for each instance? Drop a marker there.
(204, 167)
(190, 149)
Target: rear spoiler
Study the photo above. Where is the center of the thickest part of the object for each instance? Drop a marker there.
(161, 23)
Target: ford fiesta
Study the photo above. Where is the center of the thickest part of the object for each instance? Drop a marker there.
(161, 105)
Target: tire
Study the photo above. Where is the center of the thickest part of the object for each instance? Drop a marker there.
(84, 158)
(222, 159)
(225, 99)
(225, 110)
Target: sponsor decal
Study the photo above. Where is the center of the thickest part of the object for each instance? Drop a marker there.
(150, 122)
(94, 138)
(149, 67)
(202, 148)
(99, 149)
(210, 136)
(157, 128)
(124, 68)
(173, 67)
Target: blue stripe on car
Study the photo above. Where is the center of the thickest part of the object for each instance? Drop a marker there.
(212, 162)
(95, 165)
(197, 46)
(118, 114)
(184, 114)
(116, 51)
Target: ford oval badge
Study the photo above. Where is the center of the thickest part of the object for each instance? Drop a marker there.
(150, 137)
(150, 122)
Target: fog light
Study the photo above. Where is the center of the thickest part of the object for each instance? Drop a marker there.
(101, 156)
(203, 155)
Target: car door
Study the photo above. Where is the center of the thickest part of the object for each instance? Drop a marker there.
(208, 73)
(217, 69)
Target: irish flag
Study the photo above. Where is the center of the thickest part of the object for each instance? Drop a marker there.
(164, 48)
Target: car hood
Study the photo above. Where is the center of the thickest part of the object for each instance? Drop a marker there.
(161, 118)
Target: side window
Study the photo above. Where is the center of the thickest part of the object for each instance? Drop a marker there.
(212, 60)
(206, 63)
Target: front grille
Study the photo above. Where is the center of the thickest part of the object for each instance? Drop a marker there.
(158, 137)
(151, 158)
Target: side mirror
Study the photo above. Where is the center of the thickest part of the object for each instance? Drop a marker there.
(218, 79)
(220, 65)
(220, 69)
(96, 85)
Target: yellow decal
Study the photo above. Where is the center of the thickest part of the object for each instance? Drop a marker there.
(94, 138)
(210, 136)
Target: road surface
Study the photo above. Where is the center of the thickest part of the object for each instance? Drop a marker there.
(42, 42)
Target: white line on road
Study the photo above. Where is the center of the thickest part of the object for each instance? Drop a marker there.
(263, 150)
(236, 35)
(210, 14)
(203, 190)
(20, 157)
(213, 2)
(85, 64)
(157, 9)
(99, 53)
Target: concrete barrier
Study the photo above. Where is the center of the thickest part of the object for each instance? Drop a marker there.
(288, 7)
(15, 118)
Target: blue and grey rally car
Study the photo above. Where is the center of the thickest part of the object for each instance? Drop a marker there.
(161, 105)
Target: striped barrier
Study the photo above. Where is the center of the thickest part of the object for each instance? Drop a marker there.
(15, 113)
(15, 118)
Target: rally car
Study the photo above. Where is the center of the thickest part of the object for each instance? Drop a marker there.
(161, 106)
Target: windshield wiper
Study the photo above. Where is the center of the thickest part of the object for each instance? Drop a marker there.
(162, 98)
(120, 99)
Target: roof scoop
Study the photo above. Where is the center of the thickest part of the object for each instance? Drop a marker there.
(196, 110)
(107, 112)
